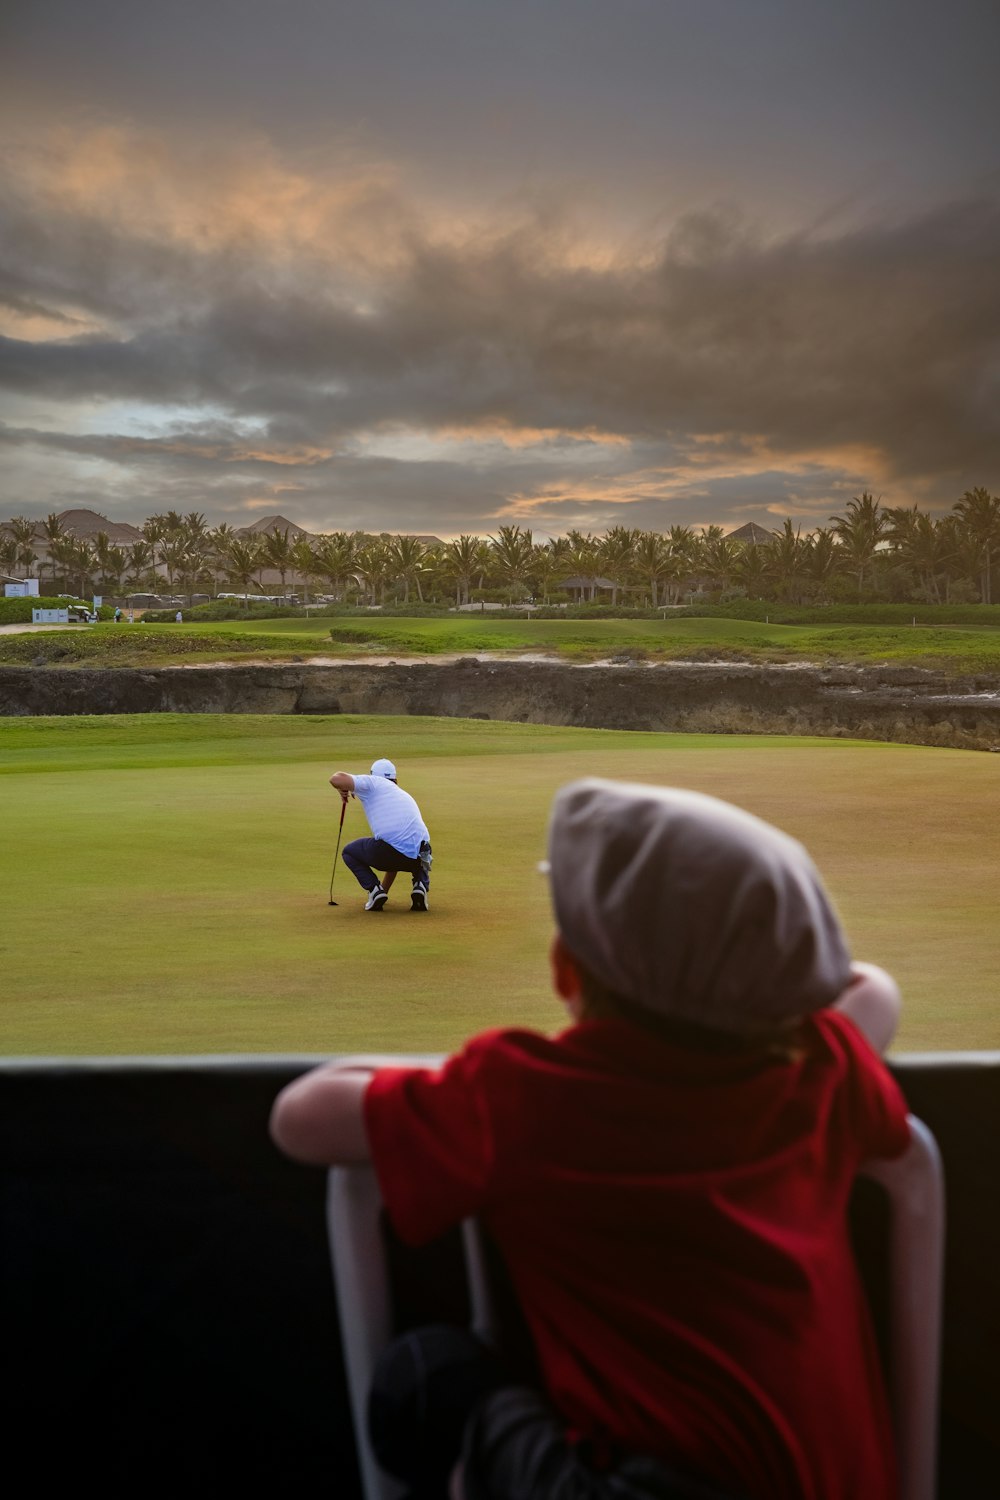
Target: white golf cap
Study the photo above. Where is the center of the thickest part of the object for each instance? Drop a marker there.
(384, 768)
(692, 908)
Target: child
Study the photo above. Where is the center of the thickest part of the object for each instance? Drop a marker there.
(667, 1180)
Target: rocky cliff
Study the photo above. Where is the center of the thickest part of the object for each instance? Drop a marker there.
(909, 705)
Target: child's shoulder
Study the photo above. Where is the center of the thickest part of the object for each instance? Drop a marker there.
(590, 1048)
(510, 1043)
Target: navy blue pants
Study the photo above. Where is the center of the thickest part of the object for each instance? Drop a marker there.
(439, 1395)
(364, 856)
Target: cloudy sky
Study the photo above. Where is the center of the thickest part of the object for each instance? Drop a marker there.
(441, 265)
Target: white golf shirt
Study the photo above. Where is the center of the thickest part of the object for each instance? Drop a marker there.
(392, 814)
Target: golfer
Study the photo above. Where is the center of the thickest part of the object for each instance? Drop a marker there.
(399, 841)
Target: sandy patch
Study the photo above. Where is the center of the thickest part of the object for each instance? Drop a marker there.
(448, 659)
(28, 629)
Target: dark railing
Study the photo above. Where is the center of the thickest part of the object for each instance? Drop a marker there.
(171, 1325)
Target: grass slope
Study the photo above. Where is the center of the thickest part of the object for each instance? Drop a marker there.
(166, 876)
(958, 648)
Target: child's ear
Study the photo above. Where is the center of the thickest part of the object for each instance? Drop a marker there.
(565, 975)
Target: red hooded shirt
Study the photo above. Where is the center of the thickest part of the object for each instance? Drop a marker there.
(674, 1224)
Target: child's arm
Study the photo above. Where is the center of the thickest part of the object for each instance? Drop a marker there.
(873, 1002)
(320, 1117)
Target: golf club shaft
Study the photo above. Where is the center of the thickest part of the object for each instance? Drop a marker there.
(343, 809)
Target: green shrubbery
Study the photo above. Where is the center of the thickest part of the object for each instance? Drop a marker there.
(387, 611)
(217, 611)
(738, 609)
(18, 611)
(592, 612)
(791, 614)
(130, 646)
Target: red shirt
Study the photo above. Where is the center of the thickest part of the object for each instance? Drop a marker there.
(674, 1223)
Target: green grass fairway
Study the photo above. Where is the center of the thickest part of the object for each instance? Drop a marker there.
(956, 648)
(165, 877)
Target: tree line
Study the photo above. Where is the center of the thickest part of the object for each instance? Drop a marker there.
(871, 553)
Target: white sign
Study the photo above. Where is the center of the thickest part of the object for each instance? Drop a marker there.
(50, 617)
(27, 588)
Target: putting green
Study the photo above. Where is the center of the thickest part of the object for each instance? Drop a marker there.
(166, 876)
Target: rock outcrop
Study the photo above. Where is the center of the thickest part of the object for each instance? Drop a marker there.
(905, 704)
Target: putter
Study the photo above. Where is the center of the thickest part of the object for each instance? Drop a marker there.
(343, 809)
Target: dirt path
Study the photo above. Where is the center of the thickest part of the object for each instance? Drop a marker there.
(29, 629)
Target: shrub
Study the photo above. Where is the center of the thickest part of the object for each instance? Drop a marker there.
(216, 611)
(18, 611)
(386, 611)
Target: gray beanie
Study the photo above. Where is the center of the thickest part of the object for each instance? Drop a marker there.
(692, 908)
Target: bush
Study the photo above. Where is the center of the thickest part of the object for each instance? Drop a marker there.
(846, 614)
(593, 612)
(789, 614)
(218, 611)
(18, 611)
(386, 611)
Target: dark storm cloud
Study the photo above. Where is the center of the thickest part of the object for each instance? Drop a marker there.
(457, 261)
(886, 339)
(668, 99)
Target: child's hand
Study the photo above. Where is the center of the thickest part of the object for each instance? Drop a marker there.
(873, 1002)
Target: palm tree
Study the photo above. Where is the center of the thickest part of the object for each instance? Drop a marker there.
(242, 562)
(684, 549)
(615, 556)
(114, 569)
(860, 532)
(277, 552)
(372, 565)
(721, 557)
(154, 531)
(53, 527)
(217, 543)
(582, 559)
(545, 568)
(960, 558)
(194, 525)
(139, 567)
(53, 530)
(462, 560)
(26, 559)
(922, 545)
(755, 569)
(788, 556)
(979, 517)
(406, 561)
(511, 556)
(822, 558)
(102, 549)
(63, 554)
(8, 552)
(435, 581)
(305, 564)
(335, 560)
(83, 565)
(23, 532)
(173, 557)
(652, 562)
